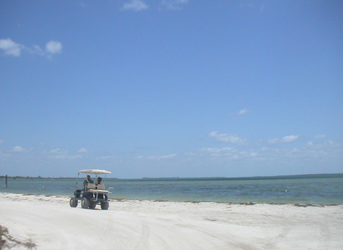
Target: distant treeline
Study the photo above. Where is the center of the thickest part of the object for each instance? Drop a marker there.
(30, 177)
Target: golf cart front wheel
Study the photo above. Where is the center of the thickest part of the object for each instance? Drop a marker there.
(85, 202)
(73, 202)
(104, 205)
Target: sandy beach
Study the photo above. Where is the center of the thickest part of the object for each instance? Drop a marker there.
(48, 222)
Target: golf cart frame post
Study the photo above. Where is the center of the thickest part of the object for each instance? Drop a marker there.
(92, 194)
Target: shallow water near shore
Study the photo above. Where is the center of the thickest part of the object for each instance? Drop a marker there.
(297, 189)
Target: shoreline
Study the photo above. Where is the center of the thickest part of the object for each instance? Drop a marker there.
(190, 201)
(287, 176)
(50, 223)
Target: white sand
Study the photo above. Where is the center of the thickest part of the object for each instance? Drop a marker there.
(52, 224)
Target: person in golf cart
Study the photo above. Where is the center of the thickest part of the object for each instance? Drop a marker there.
(88, 180)
(98, 181)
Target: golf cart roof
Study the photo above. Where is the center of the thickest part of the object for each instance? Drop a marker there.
(95, 171)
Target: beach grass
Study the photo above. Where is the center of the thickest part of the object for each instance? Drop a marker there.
(7, 241)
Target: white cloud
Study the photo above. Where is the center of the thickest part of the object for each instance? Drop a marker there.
(10, 47)
(173, 4)
(53, 47)
(227, 138)
(290, 138)
(19, 149)
(65, 157)
(320, 136)
(83, 150)
(321, 145)
(286, 139)
(162, 157)
(243, 112)
(62, 154)
(15, 49)
(136, 5)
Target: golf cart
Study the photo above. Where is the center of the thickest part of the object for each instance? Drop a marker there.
(92, 192)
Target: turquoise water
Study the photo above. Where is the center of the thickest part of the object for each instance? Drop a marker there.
(303, 189)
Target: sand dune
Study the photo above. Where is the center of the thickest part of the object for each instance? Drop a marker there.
(50, 223)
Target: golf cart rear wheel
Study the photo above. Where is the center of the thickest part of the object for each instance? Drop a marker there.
(104, 205)
(85, 202)
(73, 202)
(92, 205)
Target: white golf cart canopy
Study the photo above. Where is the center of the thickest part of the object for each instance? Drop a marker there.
(95, 171)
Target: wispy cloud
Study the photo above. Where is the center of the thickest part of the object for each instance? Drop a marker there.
(135, 5)
(18, 149)
(320, 136)
(58, 151)
(65, 157)
(247, 5)
(163, 157)
(219, 150)
(243, 112)
(12, 48)
(253, 5)
(229, 153)
(173, 4)
(62, 154)
(325, 145)
(83, 150)
(273, 141)
(83, 5)
(231, 138)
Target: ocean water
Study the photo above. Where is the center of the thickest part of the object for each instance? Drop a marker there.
(296, 189)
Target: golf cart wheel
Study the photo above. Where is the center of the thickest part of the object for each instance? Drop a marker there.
(92, 205)
(73, 202)
(104, 205)
(85, 202)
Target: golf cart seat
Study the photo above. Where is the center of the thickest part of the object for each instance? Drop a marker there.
(101, 186)
(90, 186)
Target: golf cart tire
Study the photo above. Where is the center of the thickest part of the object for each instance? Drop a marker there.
(104, 205)
(92, 205)
(73, 202)
(85, 202)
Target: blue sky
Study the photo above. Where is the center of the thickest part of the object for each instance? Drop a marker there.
(171, 87)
